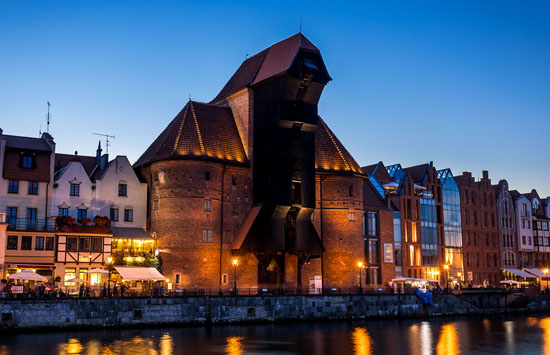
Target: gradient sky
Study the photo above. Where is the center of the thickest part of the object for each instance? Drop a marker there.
(463, 83)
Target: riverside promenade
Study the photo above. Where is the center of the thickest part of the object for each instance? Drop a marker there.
(20, 314)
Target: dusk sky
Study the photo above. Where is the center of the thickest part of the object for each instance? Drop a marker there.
(463, 83)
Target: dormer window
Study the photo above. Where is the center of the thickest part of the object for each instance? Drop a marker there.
(74, 190)
(535, 205)
(122, 189)
(309, 63)
(27, 161)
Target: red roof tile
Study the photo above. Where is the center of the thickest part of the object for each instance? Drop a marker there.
(199, 131)
(330, 153)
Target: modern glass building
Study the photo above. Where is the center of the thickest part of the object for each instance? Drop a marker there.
(452, 226)
(428, 226)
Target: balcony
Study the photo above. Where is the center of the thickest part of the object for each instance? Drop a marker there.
(24, 224)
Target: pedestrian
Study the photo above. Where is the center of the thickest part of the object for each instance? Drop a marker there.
(81, 290)
(114, 290)
(122, 289)
(162, 290)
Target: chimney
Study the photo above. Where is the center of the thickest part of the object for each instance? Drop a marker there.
(485, 174)
(98, 154)
(1, 131)
(104, 161)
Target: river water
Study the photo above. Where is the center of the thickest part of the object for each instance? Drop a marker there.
(495, 335)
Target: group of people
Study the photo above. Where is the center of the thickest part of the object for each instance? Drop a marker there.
(105, 291)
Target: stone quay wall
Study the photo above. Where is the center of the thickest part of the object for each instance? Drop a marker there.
(132, 312)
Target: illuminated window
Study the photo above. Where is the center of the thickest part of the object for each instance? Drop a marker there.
(70, 273)
(414, 236)
(411, 255)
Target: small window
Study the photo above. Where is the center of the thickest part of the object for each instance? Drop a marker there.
(207, 205)
(128, 215)
(235, 208)
(74, 190)
(39, 243)
(13, 187)
(81, 214)
(11, 217)
(84, 244)
(12, 242)
(351, 216)
(350, 191)
(63, 211)
(97, 244)
(227, 235)
(72, 244)
(233, 181)
(27, 161)
(49, 243)
(33, 188)
(114, 214)
(224, 279)
(207, 235)
(26, 242)
(207, 175)
(155, 205)
(178, 279)
(122, 190)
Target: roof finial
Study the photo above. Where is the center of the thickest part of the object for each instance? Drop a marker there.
(189, 97)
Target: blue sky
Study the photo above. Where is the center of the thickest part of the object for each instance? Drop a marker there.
(463, 83)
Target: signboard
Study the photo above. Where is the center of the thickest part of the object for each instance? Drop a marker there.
(315, 284)
(17, 289)
(388, 252)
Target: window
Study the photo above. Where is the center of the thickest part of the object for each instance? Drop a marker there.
(26, 242)
(49, 243)
(122, 190)
(27, 161)
(155, 205)
(39, 243)
(350, 191)
(97, 244)
(63, 211)
(74, 190)
(81, 214)
(473, 198)
(207, 205)
(371, 224)
(373, 252)
(70, 273)
(207, 175)
(178, 281)
(13, 186)
(128, 215)
(227, 235)
(84, 244)
(33, 188)
(72, 244)
(467, 238)
(475, 218)
(114, 214)
(487, 239)
(31, 218)
(351, 216)
(523, 239)
(12, 242)
(233, 181)
(207, 235)
(11, 215)
(296, 193)
(475, 238)
(235, 208)
(530, 240)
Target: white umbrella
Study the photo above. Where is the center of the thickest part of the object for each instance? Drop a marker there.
(98, 271)
(27, 275)
(512, 282)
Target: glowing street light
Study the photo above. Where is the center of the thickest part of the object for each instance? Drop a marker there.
(446, 267)
(235, 263)
(360, 266)
(546, 275)
(109, 266)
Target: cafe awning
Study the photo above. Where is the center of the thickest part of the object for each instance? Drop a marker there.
(535, 272)
(520, 273)
(31, 265)
(130, 233)
(139, 273)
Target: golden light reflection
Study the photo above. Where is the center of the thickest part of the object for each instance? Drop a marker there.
(545, 325)
(166, 345)
(531, 321)
(73, 346)
(362, 342)
(234, 346)
(448, 340)
(425, 338)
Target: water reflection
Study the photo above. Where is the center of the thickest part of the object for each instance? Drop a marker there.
(425, 338)
(234, 346)
(166, 344)
(362, 342)
(448, 340)
(73, 346)
(545, 325)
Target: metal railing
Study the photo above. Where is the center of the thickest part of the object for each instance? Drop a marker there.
(28, 224)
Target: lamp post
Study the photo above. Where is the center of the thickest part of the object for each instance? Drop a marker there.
(546, 275)
(109, 265)
(235, 263)
(360, 266)
(446, 267)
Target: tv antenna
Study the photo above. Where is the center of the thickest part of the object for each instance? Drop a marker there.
(48, 119)
(107, 143)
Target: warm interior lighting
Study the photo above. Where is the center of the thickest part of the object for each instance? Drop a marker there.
(545, 271)
(446, 267)
(109, 260)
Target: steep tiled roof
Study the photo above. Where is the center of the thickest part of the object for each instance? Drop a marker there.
(379, 171)
(199, 131)
(417, 172)
(62, 160)
(330, 154)
(371, 197)
(19, 142)
(268, 63)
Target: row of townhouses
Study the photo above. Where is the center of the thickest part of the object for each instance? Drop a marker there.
(255, 181)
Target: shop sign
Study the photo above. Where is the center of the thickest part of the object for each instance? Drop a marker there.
(388, 252)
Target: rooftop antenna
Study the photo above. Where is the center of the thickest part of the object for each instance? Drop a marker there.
(107, 143)
(48, 119)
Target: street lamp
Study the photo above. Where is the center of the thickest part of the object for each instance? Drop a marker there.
(360, 266)
(546, 275)
(446, 267)
(109, 266)
(235, 263)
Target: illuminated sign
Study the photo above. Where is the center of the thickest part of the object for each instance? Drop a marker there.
(388, 252)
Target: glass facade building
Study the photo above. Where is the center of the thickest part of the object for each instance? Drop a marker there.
(397, 244)
(452, 226)
(428, 228)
